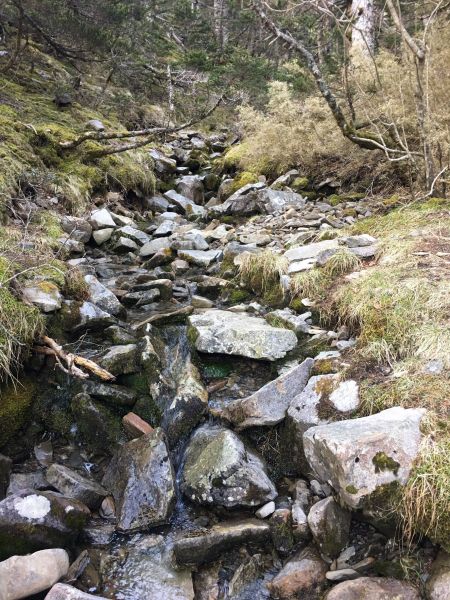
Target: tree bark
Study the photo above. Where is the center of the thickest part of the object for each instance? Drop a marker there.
(362, 14)
(221, 14)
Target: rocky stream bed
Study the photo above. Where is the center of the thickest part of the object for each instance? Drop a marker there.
(224, 460)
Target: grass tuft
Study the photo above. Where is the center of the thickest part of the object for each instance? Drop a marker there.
(261, 273)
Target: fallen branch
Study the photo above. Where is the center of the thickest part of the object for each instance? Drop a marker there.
(68, 362)
(100, 136)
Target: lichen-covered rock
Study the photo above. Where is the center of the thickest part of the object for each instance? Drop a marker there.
(102, 297)
(361, 456)
(141, 479)
(303, 576)
(269, 404)
(72, 484)
(200, 258)
(323, 397)
(208, 545)
(330, 526)
(33, 520)
(220, 470)
(23, 576)
(224, 332)
(43, 294)
(373, 588)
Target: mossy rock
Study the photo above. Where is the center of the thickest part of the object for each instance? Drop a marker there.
(236, 296)
(299, 184)
(242, 179)
(15, 408)
(147, 409)
(335, 199)
(99, 426)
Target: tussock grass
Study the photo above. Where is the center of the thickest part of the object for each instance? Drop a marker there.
(261, 273)
(425, 502)
(341, 263)
(313, 284)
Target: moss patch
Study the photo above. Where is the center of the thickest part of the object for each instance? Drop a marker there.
(15, 406)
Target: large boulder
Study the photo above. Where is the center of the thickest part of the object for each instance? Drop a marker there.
(269, 404)
(72, 484)
(224, 332)
(23, 576)
(330, 525)
(191, 186)
(359, 457)
(141, 479)
(373, 588)
(219, 470)
(206, 546)
(32, 520)
(303, 576)
(324, 397)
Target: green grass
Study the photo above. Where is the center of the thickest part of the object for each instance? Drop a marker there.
(261, 274)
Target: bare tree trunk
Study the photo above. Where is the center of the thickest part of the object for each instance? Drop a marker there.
(221, 14)
(362, 14)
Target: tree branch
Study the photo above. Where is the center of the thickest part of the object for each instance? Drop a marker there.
(100, 136)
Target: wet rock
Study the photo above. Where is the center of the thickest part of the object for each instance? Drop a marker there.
(145, 572)
(23, 576)
(101, 219)
(302, 577)
(330, 526)
(360, 456)
(117, 395)
(438, 584)
(200, 258)
(201, 302)
(76, 316)
(140, 298)
(151, 248)
(206, 582)
(120, 360)
(269, 404)
(218, 469)
(33, 520)
(373, 588)
(224, 332)
(62, 591)
(245, 574)
(78, 229)
(207, 546)
(141, 479)
(43, 294)
(98, 426)
(281, 530)
(102, 297)
(5, 472)
(187, 407)
(323, 397)
(119, 336)
(73, 485)
(98, 533)
(102, 235)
